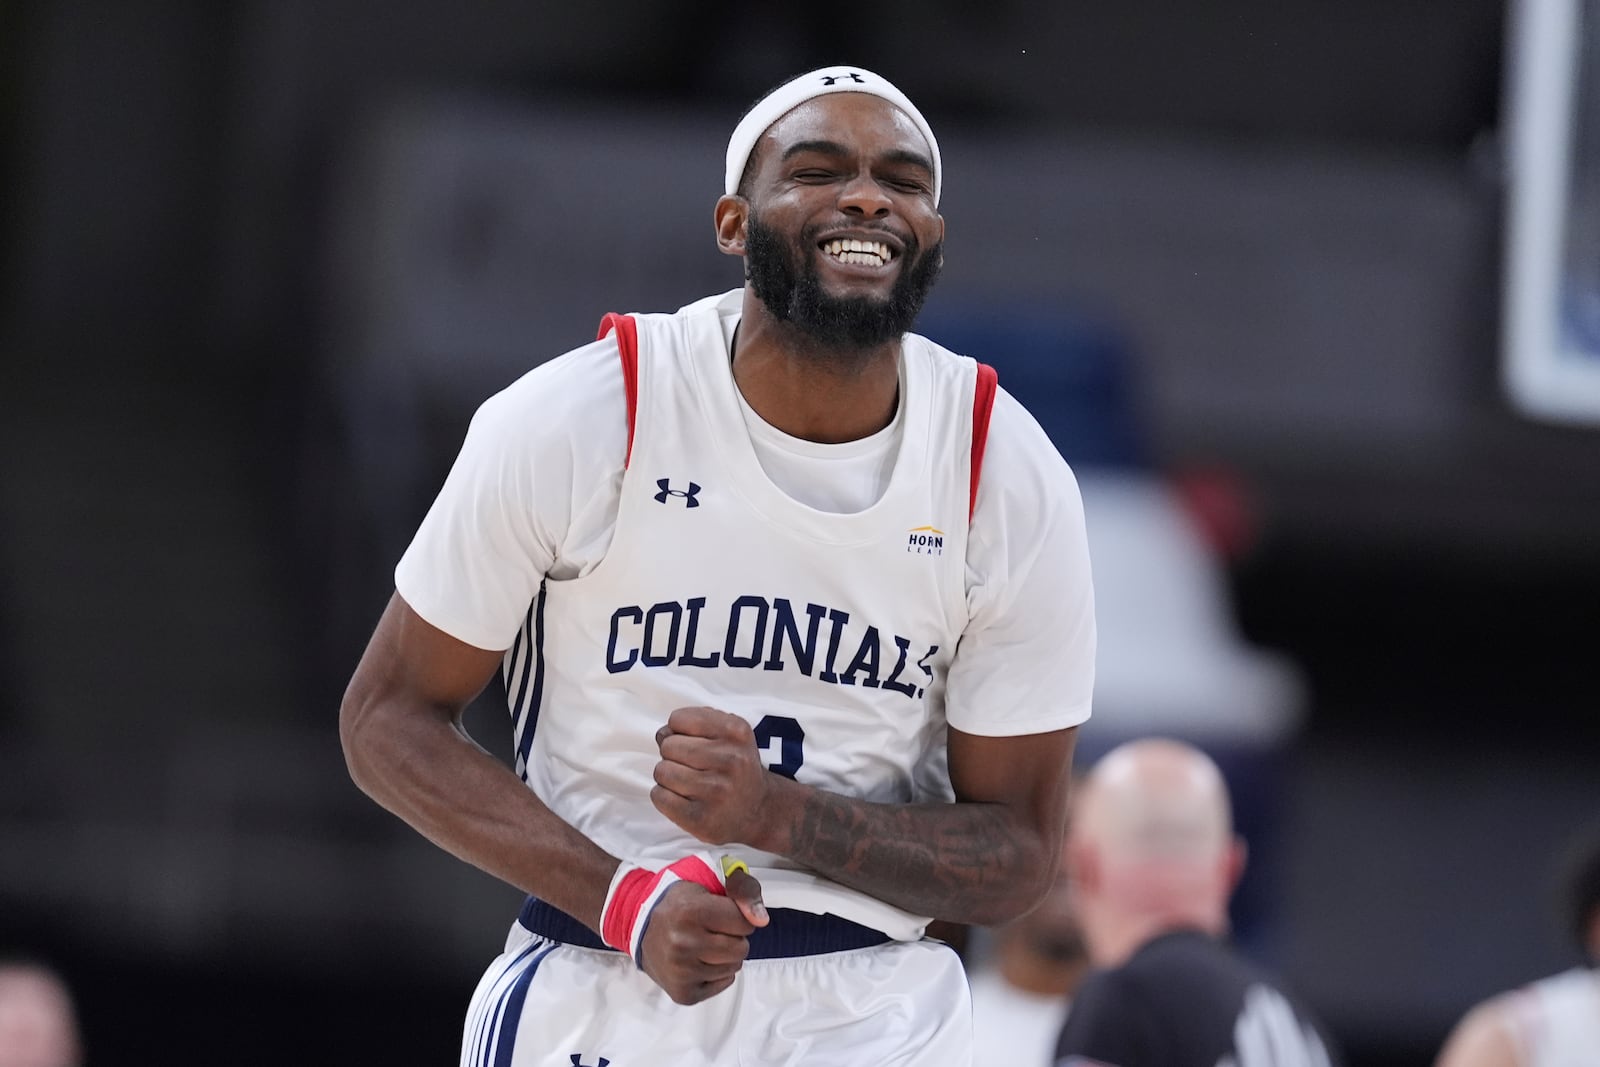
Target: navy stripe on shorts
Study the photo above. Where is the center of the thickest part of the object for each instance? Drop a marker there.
(790, 933)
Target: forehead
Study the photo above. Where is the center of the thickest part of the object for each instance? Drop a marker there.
(860, 122)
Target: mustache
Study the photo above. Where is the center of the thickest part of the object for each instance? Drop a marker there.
(785, 277)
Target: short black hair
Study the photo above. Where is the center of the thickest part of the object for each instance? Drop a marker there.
(1581, 889)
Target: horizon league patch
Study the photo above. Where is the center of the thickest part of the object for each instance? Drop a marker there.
(925, 541)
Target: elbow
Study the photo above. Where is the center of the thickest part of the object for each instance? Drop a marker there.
(355, 738)
(1021, 902)
(1023, 888)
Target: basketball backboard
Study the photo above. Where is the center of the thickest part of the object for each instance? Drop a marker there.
(1551, 338)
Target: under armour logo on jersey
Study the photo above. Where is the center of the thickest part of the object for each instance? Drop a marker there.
(577, 1061)
(829, 79)
(689, 497)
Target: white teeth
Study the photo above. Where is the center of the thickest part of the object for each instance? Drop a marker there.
(853, 250)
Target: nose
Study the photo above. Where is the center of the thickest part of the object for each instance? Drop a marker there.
(862, 195)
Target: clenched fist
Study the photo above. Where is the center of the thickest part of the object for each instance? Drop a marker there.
(710, 780)
(697, 941)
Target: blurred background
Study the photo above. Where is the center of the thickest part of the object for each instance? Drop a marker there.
(1246, 260)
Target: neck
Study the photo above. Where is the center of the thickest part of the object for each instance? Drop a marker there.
(1112, 941)
(816, 393)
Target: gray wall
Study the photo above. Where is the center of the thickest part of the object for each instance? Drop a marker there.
(241, 235)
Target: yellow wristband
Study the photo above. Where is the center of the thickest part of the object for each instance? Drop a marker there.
(733, 863)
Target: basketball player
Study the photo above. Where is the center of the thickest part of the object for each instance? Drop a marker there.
(1554, 1021)
(787, 679)
(1153, 861)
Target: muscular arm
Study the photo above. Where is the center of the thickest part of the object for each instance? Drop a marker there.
(400, 725)
(985, 859)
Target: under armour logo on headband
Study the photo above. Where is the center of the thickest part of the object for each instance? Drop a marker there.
(808, 86)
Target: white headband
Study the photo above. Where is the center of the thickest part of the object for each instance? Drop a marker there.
(793, 93)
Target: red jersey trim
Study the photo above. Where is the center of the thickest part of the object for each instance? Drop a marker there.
(982, 408)
(628, 349)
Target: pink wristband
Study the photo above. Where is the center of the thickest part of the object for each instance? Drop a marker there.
(635, 892)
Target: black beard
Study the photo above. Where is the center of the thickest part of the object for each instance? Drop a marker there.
(785, 279)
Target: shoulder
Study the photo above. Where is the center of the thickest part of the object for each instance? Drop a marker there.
(1194, 976)
(589, 373)
(1485, 1035)
(1028, 503)
(1580, 982)
(1108, 1014)
(1021, 465)
(1191, 960)
(1022, 458)
(578, 395)
(726, 307)
(1108, 995)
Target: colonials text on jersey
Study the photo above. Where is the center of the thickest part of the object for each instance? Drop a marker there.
(758, 633)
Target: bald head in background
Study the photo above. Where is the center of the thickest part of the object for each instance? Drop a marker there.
(1153, 862)
(38, 1024)
(1151, 847)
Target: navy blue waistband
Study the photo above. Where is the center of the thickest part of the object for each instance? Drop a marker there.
(790, 933)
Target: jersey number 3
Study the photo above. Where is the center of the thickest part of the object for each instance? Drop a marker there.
(790, 754)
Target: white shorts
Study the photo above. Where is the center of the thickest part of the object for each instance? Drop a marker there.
(544, 1003)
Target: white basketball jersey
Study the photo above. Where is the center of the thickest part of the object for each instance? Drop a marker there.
(830, 634)
(1557, 1020)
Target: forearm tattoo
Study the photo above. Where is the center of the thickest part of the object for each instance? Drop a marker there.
(959, 862)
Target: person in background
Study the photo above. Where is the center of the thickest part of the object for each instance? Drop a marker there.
(1022, 984)
(1554, 1021)
(38, 1020)
(1153, 860)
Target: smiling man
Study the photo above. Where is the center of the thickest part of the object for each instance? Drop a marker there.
(881, 262)
(788, 679)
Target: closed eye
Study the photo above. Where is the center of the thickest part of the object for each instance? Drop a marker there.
(907, 185)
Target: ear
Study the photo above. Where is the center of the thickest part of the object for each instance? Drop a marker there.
(1234, 860)
(1083, 867)
(732, 212)
(939, 240)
